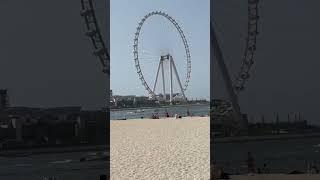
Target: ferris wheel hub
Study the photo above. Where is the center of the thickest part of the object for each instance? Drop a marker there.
(165, 57)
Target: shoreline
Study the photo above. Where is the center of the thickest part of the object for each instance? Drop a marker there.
(159, 107)
(279, 137)
(161, 117)
(265, 138)
(51, 150)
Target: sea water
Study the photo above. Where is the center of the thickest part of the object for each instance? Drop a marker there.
(195, 110)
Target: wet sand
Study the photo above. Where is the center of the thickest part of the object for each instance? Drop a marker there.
(160, 148)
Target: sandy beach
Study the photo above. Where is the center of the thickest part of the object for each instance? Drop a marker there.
(160, 148)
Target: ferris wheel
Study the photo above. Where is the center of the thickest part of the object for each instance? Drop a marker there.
(163, 60)
(237, 85)
(94, 33)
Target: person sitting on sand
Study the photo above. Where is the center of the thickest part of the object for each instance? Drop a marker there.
(314, 170)
(103, 177)
(259, 171)
(157, 116)
(265, 169)
(178, 116)
(217, 172)
(167, 114)
(223, 175)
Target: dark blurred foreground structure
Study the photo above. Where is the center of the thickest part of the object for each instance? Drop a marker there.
(24, 127)
(224, 125)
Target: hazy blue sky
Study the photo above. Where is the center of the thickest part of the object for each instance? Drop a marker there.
(158, 36)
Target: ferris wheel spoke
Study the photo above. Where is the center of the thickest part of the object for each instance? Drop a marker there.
(148, 53)
(147, 50)
(148, 56)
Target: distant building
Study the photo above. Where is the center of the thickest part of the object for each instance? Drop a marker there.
(167, 96)
(28, 127)
(223, 121)
(131, 101)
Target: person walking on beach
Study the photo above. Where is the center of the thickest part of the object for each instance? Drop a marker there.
(251, 163)
(188, 113)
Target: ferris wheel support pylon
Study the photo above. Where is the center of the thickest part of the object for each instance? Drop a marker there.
(177, 76)
(155, 82)
(163, 83)
(226, 77)
(171, 83)
(172, 69)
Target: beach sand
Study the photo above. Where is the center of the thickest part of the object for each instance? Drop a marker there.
(160, 148)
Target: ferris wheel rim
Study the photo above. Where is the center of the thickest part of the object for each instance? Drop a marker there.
(93, 32)
(136, 52)
(251, 40)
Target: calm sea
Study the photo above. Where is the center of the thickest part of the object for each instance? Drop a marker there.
(196, 110)
(65, 166)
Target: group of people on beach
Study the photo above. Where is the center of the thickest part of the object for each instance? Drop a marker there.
(155, 116)
(312, 168)
(167, 115)
(251, 165)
